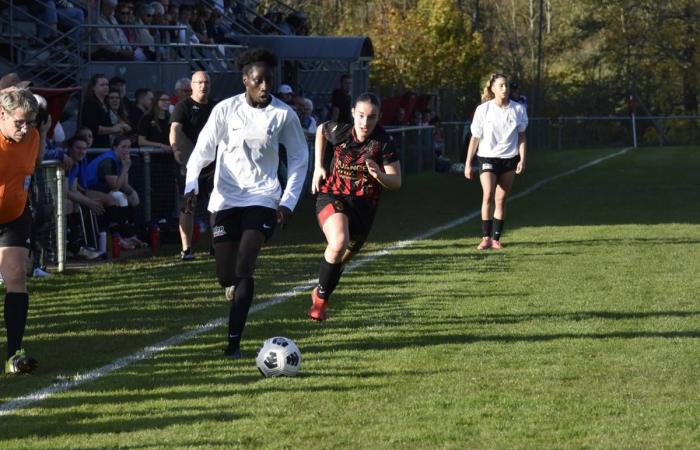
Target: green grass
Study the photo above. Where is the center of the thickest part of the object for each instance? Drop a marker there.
(583, 333)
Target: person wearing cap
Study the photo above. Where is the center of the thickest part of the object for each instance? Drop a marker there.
(21, 147)
(285, 93)
(515, 94)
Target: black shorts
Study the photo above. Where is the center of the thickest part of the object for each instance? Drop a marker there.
(205, 182)
(229, 224)
(360, 214)
(18, 232)
(498, 165)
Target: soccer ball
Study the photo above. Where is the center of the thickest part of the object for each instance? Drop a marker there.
(278, 356)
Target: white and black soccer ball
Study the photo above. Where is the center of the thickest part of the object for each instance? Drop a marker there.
(278, 356)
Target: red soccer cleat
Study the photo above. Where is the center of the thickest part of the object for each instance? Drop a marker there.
(317, 311)
(496, 245)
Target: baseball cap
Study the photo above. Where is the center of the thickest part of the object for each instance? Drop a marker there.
(285, 89)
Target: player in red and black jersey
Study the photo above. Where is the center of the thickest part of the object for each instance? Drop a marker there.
(365, 161)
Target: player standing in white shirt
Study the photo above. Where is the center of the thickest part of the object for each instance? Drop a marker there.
(498, 131)
(247, 199)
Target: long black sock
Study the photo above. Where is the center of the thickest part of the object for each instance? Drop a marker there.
(238, 314)
(328, 278)
(498, 229)
(16, 307)
(74, 237)
(487, 227)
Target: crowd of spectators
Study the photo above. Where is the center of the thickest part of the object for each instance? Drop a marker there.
(131, 30)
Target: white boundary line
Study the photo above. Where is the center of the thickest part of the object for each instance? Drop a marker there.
(147, 352)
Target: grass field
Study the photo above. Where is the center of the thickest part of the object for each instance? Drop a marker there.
(583, 333)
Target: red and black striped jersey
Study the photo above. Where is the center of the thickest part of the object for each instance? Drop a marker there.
(349, 174)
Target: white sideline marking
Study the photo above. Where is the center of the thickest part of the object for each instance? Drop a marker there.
(42, 394)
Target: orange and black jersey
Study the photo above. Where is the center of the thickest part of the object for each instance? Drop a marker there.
(349, 174)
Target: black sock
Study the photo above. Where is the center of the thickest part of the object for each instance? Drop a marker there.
(238, 314)
(16, 307)
(328, 278)
(497, 229)
(487, 227)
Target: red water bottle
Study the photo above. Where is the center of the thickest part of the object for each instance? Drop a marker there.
(154, 237)
(196, 232)
(116, 246)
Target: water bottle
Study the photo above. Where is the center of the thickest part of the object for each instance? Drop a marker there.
(116, 246)
(102, 243)
(196, 227)
(154, 237)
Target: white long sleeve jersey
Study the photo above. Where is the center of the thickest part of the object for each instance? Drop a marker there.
(248, 142)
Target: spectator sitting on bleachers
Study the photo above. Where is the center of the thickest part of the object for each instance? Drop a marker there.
(86, 134)
(426, 117)
(119, 84)
(117, 112)
(416, 119)
(154, 127)
(144, 38)
(285, 93)
(94, 113)
(220, 29)
(183, 89)
(109, 174)
(199, 24)
(400, 118)
(111, 42)
(305, 108)
(56, 15)
(143, 100)
(76, 149)
(187, 34)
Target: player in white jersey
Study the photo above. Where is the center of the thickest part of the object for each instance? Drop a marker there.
(247, 199)
(498, 132)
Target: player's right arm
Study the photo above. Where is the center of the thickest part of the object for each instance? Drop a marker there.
(471, 151)
(319, 151)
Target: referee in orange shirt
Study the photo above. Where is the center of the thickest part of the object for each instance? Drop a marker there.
(21, 144)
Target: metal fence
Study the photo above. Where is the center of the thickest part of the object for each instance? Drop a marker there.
(49, 231)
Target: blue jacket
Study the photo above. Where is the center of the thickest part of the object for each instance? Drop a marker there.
(92, 180)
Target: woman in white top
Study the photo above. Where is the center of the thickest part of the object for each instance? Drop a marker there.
(498, 132)
(247, 200)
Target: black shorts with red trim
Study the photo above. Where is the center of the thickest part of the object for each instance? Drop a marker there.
(498, 166)
(17, 233)
(229, 224)
(360, 213)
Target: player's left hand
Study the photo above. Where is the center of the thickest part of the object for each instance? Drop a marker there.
(373, 168)
(283, 216)
(520, 168)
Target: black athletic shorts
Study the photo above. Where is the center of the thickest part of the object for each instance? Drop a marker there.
(18, 232)
(229, 224)
(498, 165)
(205, 182)
(360, 214)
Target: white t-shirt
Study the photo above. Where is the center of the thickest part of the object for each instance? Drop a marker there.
(248, 157)
(497, 128)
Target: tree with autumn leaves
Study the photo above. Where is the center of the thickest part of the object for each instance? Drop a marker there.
(591, 55)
